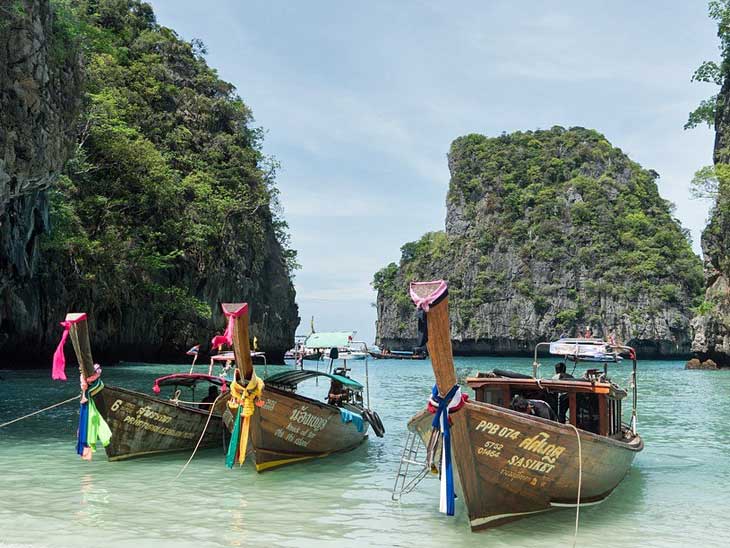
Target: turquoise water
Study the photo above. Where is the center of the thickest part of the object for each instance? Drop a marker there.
(675, 495)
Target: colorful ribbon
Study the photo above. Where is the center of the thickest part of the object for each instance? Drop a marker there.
(442, 407)
(92, 426)
(227, 337)
(244, 400)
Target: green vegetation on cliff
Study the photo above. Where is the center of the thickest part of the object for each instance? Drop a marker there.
(168, 186)
(555, 223)
(712, 324)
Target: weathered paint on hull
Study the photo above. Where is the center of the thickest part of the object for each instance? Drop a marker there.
(291, 428)
(517, 465)
(145, 425)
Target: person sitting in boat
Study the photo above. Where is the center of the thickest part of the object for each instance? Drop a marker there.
(563, 398)
(338, 393)
(210, 398)
(560, 372)
(537, 408)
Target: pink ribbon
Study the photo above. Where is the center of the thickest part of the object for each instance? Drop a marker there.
(227, 337)
(58, 373)
(59, 360)
(425, 302)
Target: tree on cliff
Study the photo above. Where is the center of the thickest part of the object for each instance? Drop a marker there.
(168, 203)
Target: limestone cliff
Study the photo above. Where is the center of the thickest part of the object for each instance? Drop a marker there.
(548, 232)
(712, 324)
(39, 96)
(166, 205)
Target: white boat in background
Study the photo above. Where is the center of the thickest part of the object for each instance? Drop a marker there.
(326, 346)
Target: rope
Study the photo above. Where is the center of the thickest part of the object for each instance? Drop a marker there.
(40, 411)
(580, 480)
(196, 403)
(200, 440)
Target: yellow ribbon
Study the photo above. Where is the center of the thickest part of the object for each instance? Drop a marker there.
(246, 396)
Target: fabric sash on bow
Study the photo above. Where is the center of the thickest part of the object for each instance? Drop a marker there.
(227, 337)
(244, 401)
(441, 407)
(92, 426)
(59, 360)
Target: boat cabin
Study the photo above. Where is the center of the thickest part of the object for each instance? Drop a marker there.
(591, 403)
(343, 391)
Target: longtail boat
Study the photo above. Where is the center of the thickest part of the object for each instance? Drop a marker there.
(398, 355)
(139, 424)
(277, 424)
(512, 464)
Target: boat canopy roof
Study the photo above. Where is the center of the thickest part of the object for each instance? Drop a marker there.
(590, 350)
(187, 379)
(291, 379)
(334, 339)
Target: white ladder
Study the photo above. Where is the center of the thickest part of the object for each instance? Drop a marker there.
(409, 458)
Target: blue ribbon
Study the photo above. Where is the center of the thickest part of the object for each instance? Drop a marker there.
(443, 411)
(83, 425)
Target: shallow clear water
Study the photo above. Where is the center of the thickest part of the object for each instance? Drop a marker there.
(675, 495)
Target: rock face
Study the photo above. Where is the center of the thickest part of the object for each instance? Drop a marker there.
(166, 206)
(712, 324)
(39, 98)
(547, 233)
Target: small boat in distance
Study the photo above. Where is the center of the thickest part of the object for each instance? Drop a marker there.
(281, 426)
(142, 424)
(397, 355)
(526, 445)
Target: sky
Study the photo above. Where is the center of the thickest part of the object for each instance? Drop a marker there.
(361, 102)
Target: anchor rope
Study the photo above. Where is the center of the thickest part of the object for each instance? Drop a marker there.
(580, 480)
(200, 440)
(40, 411)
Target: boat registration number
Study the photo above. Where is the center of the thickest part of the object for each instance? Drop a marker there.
(497, 430)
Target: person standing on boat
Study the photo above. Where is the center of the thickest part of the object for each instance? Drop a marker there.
(560, 372)
(563, 399)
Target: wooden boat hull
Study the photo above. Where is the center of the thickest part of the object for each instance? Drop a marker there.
(517, 465)
(144, 425)
(291, 428)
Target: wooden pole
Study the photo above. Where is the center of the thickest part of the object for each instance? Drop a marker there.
(442, 361)
(241, 346)
(439, 346)
(79, 333)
